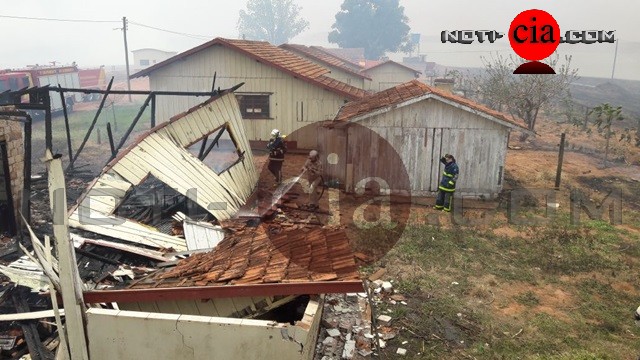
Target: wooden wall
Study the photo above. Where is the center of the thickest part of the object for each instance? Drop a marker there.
(420, 134)
(387, 76)
(294, 103)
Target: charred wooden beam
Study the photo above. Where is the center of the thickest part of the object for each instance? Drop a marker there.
(31, 335)
(153, 110)
(132, 126)
(213, 143)
(96, 256)
(93, 124)
(66, 124)
(203, 147)
(213, 85)
(143, 92)
(48, 130)
(110, 135)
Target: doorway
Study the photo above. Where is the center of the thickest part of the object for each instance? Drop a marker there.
(7, 215)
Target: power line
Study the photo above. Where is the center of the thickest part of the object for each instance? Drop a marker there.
(194, 36)
(59, 20)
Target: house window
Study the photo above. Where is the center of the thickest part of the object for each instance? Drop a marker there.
(144, 62)
(254, 106)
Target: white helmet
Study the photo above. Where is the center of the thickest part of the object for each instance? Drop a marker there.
(275, 133)
(313, 154)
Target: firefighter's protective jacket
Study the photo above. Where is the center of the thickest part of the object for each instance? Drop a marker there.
(449, 176)
(277, 149)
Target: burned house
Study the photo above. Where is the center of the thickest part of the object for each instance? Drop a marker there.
(11, 174)
(203, 155)
(225, 279)
(255, 296)
(162, 254)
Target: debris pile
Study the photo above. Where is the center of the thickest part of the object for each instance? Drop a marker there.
(346, 328)
(345, 331)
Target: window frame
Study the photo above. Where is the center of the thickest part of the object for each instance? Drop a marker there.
(241, 96)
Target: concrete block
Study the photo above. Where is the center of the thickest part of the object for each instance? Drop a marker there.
(349, 349)
(384, 319)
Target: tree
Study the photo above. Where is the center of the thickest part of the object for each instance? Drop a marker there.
(375, 25)
(605, 114)
(523, 96)
(275, 21)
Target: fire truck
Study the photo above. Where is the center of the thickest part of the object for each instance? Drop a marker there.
(65, 76)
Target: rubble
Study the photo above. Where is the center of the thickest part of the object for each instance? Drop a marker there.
(349, 349)
(385, 319)
(346, 317)
(347, 322)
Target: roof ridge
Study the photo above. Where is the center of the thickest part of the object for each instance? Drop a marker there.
(270, 55)
(410, 90)
(311, 51)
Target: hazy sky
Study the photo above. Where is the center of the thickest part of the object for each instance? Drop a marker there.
(29, 41)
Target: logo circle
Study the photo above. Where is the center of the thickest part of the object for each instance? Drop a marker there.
(371, 216)
(534, 34)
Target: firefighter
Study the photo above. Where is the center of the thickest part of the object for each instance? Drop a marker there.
(277, 149)
(313, 168)
(447, 186)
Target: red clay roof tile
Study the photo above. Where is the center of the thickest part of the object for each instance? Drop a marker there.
(253, 257)
(324, 57)
(410, 90)
(273, 56)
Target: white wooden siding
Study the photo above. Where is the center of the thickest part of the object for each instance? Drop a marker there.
(387, 76)
(195, 73)
(423, 132)
(163, 154)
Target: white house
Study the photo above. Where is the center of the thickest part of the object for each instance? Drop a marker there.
(143, 58)
(281, 90)
(388, 74)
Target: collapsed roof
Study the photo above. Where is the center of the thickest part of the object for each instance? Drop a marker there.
(163, 152)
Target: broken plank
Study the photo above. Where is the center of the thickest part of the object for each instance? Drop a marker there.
(32, 315)
(151, 254)
(36, 350)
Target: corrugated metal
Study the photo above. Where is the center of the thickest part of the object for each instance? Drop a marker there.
(163, 154)
(195, 73)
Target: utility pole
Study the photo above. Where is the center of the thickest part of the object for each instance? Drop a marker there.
(126, 52)
(615, 56)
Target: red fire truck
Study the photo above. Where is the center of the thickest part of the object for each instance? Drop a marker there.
(65, 76)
